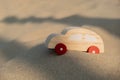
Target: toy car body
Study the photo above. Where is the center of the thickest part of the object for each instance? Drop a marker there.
(79, 39)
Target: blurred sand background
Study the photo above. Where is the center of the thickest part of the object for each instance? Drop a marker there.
(25, 24)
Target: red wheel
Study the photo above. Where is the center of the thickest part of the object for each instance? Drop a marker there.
(93, 49)
(60, 49)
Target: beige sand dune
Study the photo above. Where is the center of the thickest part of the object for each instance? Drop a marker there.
(25, 25)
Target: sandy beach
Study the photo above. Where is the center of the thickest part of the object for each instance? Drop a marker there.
(25, 25)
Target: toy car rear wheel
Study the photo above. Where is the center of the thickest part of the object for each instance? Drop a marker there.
(60, 49)
(93, 49)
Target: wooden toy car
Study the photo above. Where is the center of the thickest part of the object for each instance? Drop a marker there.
(75, 38)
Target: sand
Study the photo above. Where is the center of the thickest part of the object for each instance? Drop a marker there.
(25, 25)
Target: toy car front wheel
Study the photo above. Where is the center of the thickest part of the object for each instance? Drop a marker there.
(93, 49)
(60, 49)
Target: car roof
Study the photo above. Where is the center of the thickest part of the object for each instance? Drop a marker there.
(79, 30)
(71, 30)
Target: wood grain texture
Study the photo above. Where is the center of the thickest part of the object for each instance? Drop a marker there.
(79, 39)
